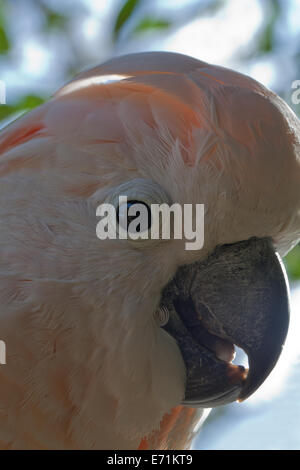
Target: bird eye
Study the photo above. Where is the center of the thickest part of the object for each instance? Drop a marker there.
(134, 216)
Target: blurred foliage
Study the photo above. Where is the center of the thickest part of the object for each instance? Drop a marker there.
(124, 15)
(55, 20)
(149, 23)
(292, 263)
(266, 41)
(4, 41)
(133, 19)
(26, 103)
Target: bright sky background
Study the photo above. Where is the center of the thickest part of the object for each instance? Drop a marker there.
(219, 38)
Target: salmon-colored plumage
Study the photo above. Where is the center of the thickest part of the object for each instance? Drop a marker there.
(176, 430)
(87, 365)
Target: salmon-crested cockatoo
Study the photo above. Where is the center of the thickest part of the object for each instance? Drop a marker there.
(120, 343)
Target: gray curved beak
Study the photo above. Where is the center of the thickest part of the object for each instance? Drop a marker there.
(238, 296)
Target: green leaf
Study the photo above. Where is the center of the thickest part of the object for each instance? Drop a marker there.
(124, 14)
(26, 103)
(55, 20)
(29, 102)
(6, 111)
(149, 23)
(292, 263)
(266, 40)
(4, 41)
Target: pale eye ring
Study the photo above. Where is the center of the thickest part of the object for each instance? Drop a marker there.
(142, 211)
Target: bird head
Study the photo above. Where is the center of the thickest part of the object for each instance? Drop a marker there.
(165, 128)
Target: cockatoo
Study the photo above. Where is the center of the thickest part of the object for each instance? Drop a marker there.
(121, 344)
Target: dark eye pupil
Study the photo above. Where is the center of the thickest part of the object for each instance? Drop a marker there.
(131, 218)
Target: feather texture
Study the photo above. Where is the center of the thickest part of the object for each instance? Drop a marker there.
(87, 366)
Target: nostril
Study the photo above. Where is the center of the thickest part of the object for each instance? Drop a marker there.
(162, 316)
